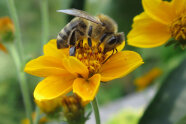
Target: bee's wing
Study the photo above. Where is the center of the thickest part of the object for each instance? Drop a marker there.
(82, 14)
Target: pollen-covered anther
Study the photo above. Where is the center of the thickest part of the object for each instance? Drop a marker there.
(178, 28)
(91, 56)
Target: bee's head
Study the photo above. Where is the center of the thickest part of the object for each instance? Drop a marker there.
(113, 41)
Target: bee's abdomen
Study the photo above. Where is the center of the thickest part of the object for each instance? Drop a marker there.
(66, 33)
(62, 40)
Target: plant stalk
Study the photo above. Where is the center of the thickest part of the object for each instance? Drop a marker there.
(18, 57)
(45, 21)
(15, 19)
(36, 119)
(22, 81)
(96, 110)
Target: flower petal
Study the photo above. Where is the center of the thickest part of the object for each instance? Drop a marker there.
(53, 87)
(44, 66)
(147, 33)
(48, 106)
(3, 48)
(75, 66)
(87, 89)
(159, 10)
(120, 64)
(178, 5)
(121, 46)
(50, 49)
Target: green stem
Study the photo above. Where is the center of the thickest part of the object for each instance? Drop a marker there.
(18, 57)
(14, 16)
(22, 81)
(45, 21)
(36, 119)
(96, 111)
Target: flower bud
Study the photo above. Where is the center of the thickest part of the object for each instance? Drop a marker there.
(48, 106)
(6, 29)
(73, 109)
(42, 120)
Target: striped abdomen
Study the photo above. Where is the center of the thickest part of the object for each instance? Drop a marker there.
(72, 32)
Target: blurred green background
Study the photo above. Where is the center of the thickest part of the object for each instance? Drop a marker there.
(29, 12)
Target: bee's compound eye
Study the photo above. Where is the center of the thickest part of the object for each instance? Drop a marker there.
(112, 40)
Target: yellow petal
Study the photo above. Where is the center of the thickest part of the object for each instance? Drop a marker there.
(53, 87)
(120, 64)
(25, 121)
(146, 79)
(44, 66)
(147, 33)
(87, 89)
(178, 5)
(75, 66)
(121, 46)
(50, 49)
(48, 106)
(159, 10)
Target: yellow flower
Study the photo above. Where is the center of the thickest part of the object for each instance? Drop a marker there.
(42, 120)
(81, 73)
(160, 21)
(48, 106)
(145, 80)
(6, 31)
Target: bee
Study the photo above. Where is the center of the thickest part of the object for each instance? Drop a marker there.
(101, 28)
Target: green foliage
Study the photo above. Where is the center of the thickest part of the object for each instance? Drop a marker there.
(127, 116)
(166, 108)
(169, 103)
(182, 120)
(11, 104)
(115, 88)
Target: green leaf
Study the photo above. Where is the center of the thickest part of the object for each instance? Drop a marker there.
(169, 104)
(182, 120)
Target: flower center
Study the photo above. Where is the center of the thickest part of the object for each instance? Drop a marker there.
(178, 28)
(91, 55)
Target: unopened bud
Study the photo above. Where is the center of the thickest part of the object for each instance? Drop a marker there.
(6, 29)
(73, 109)
(48, 106)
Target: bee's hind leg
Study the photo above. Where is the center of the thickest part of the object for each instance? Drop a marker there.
(72, 40)
(89, 36)
(116, 50)
(72, 37)
(89, 42)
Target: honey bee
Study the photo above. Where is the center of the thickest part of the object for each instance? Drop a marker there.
(101, 28)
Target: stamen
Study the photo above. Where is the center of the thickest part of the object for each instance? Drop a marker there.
(92, 56)
(178, 28)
